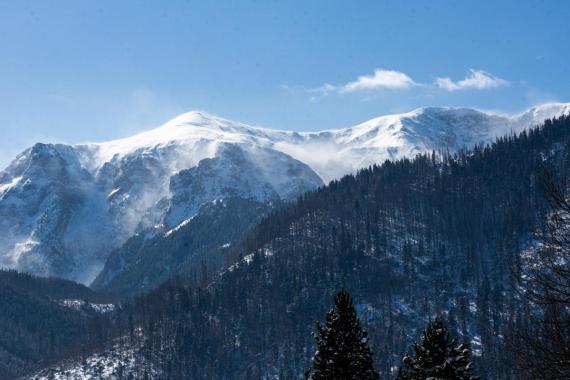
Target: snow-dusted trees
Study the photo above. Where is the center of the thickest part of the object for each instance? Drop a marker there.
(369, 233)
(437, 356)
(342, 352)
(541, 340)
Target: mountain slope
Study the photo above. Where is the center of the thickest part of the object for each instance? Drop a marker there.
(130, 268)
(410, 239)
(335, 153)
(44, 320)
(195, 247)
(63, 209)
(63, 212)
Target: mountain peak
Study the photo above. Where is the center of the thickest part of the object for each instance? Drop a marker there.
(384, 137)
(544, 111)
(118, 185)
(192, 117)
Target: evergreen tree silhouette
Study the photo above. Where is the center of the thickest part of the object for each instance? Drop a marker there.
(343, 351)
(437, 356)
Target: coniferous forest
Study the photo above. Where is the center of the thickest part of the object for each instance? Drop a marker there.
(439, 254)
(37, 326)
(284, 190)
(438, 236)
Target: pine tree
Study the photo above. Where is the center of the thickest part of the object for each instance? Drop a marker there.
(343, 352)
(437, 356)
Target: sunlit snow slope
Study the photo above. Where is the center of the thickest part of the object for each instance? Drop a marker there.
(64, 208)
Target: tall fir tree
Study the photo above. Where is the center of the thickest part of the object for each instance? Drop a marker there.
(343, 352)
(437, 356)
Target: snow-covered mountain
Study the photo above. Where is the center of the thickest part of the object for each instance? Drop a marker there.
(63, 208)
(334, 153)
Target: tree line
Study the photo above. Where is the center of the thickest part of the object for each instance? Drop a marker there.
(343, 352)
(468, 238)
(438, 235)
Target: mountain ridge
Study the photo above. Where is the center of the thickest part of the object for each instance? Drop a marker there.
(387, 134)
(411, 239)
(64, 208)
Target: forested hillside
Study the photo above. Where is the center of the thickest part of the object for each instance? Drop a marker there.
(439, 235)
(194, 248)
(43, 320)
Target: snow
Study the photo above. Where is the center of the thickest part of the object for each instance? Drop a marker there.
(189, 128)
(105, 365)
(53, 197)
(72, 304)
(114, 191)
(184, 223)
(12, 257)
(101, 308)
(247, 259)
(476, 346)
(7, 186)
(334, 153)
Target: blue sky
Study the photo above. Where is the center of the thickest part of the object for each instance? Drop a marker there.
(76, 71)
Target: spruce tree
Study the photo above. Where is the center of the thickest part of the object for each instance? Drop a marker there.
(343, 352)
(437, 356)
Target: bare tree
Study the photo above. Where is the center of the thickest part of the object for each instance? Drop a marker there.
(541, 338)
(547, 270)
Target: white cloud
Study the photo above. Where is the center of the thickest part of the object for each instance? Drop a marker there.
(475, 79)
(389, 79)
(380, 79)
(397, 80)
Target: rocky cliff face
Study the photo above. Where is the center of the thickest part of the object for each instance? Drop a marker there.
(63, 209)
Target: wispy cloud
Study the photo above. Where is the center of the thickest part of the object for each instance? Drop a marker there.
(388, 79)
(380, 79)
(397, 80)
(475, 79)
